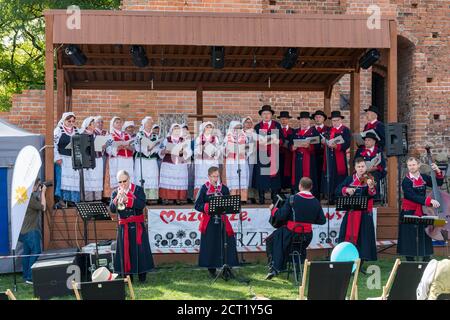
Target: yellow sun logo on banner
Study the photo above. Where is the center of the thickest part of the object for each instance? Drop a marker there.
(21, 195)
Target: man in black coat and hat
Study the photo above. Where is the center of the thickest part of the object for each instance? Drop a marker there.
(266, 170)
(285, 151)
(372, 115)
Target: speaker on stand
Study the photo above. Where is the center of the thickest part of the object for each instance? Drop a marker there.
(397, 146)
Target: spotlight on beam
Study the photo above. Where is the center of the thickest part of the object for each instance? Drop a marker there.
(290, 58)
(369, 58)
(139, 57)
(217, 57)
(75, 54)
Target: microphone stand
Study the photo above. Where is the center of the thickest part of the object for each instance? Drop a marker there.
(240, 194)
(142, 181)
(327, 159)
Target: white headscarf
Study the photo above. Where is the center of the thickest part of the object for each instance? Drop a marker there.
(143, 122)
(127, 124)
(172, 127)
(203, 126)
(111, 124)
(86, 123)
(98, 118)
(245, 119)
(232, 125)
(64, 117)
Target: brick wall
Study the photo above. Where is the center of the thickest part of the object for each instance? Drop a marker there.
(423, 71)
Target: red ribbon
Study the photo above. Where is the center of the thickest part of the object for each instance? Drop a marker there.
(272, 155)
(126, 243)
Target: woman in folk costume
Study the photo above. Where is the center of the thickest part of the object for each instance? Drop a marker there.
(250, 150)
(93, 178)
(414, 186)
(173, 181)
(357, 227)
(304, 155)
(210, 255)
(149, 158)
(120, 150)
(99, 131)
(235, 159)
(206, 154)
(68, 185)
(129, 128)
(133, 254)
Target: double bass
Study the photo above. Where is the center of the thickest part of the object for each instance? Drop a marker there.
(443, 212)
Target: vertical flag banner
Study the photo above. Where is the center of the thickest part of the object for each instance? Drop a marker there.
(26, 169)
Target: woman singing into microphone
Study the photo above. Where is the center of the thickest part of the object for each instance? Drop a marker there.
(210, 227)
(133, 254)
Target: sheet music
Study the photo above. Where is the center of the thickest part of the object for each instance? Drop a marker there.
(210, 149)
(234, 147)
(69, 146)
(99, 142)
(374, 162)
(147, 144)
(337, 140)
(311, 140)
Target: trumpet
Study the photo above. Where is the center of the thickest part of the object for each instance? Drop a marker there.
(121, 200)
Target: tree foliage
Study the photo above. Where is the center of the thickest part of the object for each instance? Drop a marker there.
(22, 45)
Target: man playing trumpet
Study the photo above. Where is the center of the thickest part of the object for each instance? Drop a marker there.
(133, 254)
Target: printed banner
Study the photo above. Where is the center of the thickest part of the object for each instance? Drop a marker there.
(176, 230)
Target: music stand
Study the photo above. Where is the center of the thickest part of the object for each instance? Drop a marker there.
(359, 203)
(218, 206)
(92, 211)
(422, 221)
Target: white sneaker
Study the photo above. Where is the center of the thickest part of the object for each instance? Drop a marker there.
(29, 282)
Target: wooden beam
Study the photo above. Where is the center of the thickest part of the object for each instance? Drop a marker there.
(200, 102)
(250, 57)
(61, 93)
(392, 164)
(327, 102)
(49, 121)
(212, 86)
(69, 93)
(196, 69)
(355, 110)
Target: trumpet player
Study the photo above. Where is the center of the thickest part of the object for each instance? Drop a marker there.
(133, 254)
(357, 226)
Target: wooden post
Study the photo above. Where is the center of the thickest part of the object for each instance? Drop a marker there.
(49, 120)
(61, 94)
(392, 162)
(355, 110)
(327, 102)
(69, 92)
(200, 116)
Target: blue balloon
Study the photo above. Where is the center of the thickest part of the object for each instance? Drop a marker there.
(343, 252)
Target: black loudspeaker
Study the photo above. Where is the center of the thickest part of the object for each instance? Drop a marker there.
(53, 277)
(217, 57)
(83, 152)
(396, 139)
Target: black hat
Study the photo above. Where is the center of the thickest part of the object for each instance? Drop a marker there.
(266, 107)
(319, 113)
(336, 114)
(304, 114)
(284, 114)
(373, 109)
(372, 136)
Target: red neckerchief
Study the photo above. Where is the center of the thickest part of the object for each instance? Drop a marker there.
(371, 125)
(68, 131)
(305, 195)
(273, 165)
(367, 153)
(211, 189)
(339, 156)
(417, 183)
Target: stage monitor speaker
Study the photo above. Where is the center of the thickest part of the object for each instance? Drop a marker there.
(83, 151)
(52, 278)
(396, 139)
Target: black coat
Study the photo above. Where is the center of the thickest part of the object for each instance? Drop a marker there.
(140, 255)
(278, 244)
(379, 128)
(211, 248)
(366, 243)
(408, 233)
(262, 181)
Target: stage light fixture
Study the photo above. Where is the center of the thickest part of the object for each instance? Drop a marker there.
(76, 55)
(139, 57)
(290, 58)
(218, 57)
(369, 58)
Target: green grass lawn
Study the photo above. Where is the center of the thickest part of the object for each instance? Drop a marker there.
(177, 281)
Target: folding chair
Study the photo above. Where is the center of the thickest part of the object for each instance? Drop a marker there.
(294, 260)
(103, 290)
(7, 295)
(329, 280)
(403, 280)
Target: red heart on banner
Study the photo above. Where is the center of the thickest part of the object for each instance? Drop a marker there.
(169, 214)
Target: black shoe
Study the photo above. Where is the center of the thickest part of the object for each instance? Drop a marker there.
(142, 277)
(270, 275)
(212, 273)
